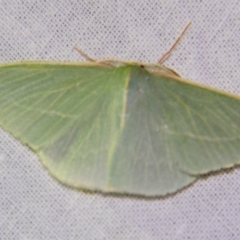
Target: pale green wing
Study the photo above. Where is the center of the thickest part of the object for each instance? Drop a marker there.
(119, 129)
(70, 115)
(174, 131)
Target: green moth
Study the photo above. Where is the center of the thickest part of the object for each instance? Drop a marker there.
(122, 127)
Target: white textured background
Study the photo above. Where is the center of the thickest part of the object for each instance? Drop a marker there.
(35, 206)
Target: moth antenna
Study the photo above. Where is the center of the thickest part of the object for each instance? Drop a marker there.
(84, 55)
(168, 53)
